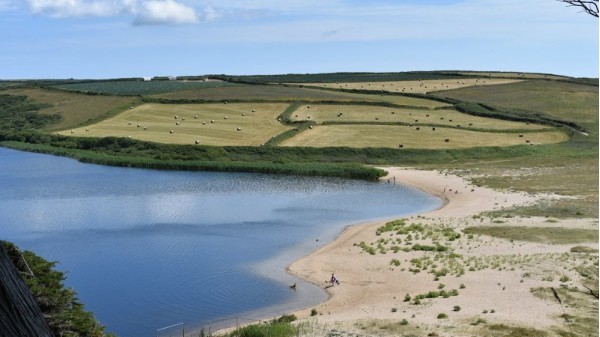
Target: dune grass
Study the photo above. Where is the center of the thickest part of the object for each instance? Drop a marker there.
(552, 235)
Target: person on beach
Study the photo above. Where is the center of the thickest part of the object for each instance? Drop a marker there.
(333, 279)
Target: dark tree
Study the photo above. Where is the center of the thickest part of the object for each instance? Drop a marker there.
(590, 6)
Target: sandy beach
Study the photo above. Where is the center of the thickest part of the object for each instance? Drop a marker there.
(497, 276)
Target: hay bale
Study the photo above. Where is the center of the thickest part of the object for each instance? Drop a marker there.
(243, 114)
(458, 125)
(527, 141)
(72, 131)
(310, 127)
(416, 121)
(426, 115)
(376, 118)
(170, 131)
(449, 120)
(225, 117)
(129, 123)
(212, 121)
(145, 128)
(433, 128)
(138, 125)
(87, 129)
(176, 123)
(253, 110)
(203, 123)
(183, 119)
(447, 140)
(176, 117)
(197, 142)
(195, 117)
(417, 128)
(400, 145)
(239, 129)
(521, 135)
(393, 112)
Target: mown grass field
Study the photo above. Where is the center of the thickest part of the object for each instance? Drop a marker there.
(140, 87)
(75, 109)
(392, 136)
(290, 93)
(216, 124)
(321, 113)
(418, 86)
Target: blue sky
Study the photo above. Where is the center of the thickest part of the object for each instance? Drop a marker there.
(132, 38)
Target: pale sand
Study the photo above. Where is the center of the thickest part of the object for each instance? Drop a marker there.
(370, 287)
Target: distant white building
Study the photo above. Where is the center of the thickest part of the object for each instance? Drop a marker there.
(147, 79)
(172, 78)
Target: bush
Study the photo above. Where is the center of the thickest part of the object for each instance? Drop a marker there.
(456, 308)
(313, 312)
(442, 316)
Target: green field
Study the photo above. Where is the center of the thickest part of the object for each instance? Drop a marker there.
(75, 109)
(209, 124)
(139, 87)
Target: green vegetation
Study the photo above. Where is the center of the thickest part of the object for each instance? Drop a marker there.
(501, 330)
(271, 329)
(442, 316)
(65, 315)
(20, 113)
(553, 235)
(138, 87)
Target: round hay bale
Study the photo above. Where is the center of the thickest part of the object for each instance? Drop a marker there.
(195, 117)
(426, 115)
(376, 118)
(310, 127)
(296, 116)
(308, 107)
(400, 145)
(176, 117)
(416, 121)
(447, 140)
(449, 120)
(197, 142)
(527, 141)
(279, 119)
(170, 131)
(183, 119)
(417, 128)
(176, 123)
(87, 129)
(433, 128)
(393, 112)
(225, 102)
(458, 125)
(442, 118)
(129, 123)
(225, 117)
(145, 128)
(470, 124)
(253, 110)
(138, 125)
(128, 136)
(212, 120)
(239, 129)
(203, 123)
(308, 117)
(72, 131)
(243, 114)
(521, 135)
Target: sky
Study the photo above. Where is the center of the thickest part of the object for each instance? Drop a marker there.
(135, 38)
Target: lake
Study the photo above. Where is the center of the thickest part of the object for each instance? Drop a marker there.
(145, 249)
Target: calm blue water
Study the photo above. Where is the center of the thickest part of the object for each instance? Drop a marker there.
(146, 249)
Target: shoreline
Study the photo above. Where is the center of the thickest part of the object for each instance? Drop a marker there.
(371, 289)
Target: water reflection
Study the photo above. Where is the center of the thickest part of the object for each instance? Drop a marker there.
(145, 248)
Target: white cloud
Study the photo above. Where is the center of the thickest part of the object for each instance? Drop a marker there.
(161, 12)
(76, 8)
